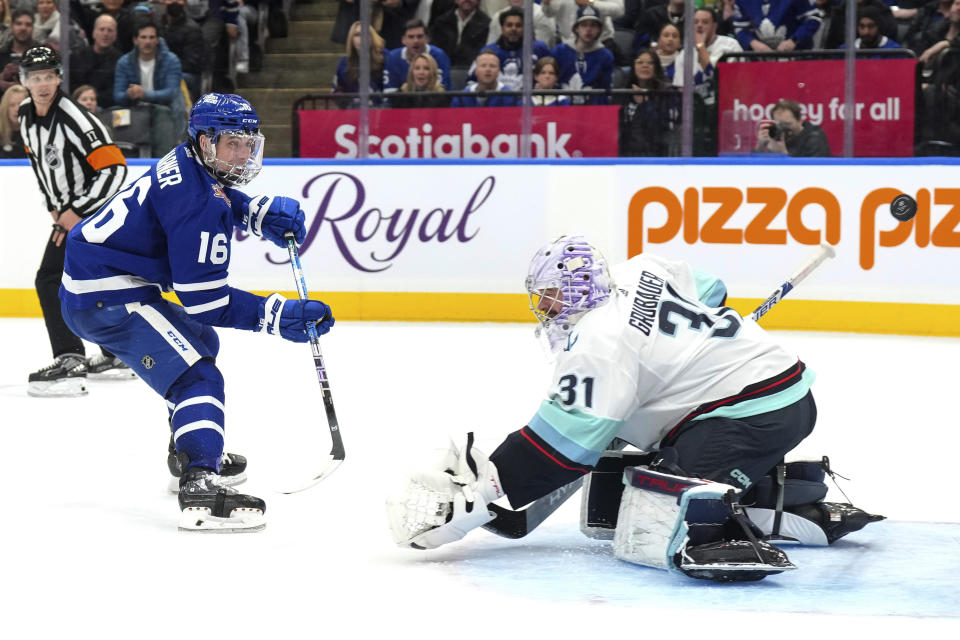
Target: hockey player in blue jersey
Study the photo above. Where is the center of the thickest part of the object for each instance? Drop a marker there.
(171, 230)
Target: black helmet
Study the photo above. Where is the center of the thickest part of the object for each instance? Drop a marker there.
(37, 58)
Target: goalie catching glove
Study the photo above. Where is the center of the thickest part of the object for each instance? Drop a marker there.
(440, 505)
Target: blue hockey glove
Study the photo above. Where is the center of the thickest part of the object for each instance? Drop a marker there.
(272, 217)
(290, 319)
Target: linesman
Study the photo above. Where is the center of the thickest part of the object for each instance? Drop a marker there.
(78, 168)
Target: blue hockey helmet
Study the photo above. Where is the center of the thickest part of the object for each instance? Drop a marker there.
(224, 114)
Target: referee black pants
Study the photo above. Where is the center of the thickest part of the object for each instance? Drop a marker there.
(47, 283)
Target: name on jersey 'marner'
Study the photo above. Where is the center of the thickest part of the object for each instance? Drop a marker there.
(645, 302)
(168, 171)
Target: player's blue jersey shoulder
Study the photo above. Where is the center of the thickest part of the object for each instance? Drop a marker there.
(168, 229)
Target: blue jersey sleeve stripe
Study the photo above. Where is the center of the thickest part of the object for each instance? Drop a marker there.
(111, 283)
(202, 308)
(199, 286)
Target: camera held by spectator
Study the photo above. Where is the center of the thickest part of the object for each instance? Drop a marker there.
(790, 134)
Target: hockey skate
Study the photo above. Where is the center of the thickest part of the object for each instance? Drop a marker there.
(65, 378)
(101, 367)
(232, 468)
(208, 506)
(837, 519)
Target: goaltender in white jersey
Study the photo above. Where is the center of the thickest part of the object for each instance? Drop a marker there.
(659, 354)
(648, 355)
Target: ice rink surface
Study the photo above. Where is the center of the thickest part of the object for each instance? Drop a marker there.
(91, 548)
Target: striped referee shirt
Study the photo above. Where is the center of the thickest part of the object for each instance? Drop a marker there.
(72, 154)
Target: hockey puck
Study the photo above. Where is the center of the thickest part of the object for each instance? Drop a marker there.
(903, 207)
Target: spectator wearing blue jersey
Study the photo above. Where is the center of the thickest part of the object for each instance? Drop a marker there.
(777, 25)
(150, 74)
(587, 64)
(868, 32)
(487, 66)
(837, 33)
(509, 49)
(415, 42)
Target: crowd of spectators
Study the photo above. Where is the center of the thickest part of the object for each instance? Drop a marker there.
(589, 44)
(152, 55)
(613, 44)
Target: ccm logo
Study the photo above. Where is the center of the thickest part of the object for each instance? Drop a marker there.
(712, 229)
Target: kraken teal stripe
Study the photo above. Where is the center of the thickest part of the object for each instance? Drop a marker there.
(579, 436)
(710, 290)
(773, 402)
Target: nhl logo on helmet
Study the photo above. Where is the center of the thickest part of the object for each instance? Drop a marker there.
(147, 362)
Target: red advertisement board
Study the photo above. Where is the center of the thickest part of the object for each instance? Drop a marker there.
(492, 132)
(884, 102)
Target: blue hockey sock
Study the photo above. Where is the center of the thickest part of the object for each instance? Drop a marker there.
(196, 400)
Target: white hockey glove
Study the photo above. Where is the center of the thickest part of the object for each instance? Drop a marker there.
(440, 505)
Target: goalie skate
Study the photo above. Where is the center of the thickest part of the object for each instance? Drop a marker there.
(101, 367)
(207, 506)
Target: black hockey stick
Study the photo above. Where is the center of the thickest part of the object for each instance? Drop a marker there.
(337, 453)
(517, 524)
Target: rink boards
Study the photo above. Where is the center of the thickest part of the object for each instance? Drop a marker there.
(451, 240)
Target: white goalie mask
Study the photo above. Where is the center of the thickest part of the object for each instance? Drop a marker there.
(567, 278)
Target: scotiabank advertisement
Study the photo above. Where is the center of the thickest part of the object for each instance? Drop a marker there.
(491, 132)
(884, 105)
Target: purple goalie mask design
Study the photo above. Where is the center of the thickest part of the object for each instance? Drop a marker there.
(567, 278)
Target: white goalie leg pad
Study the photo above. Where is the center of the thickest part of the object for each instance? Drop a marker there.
(651, 526)
(241, 520)
(441, 505)
(793, 528)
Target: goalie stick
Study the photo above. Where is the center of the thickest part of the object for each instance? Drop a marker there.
(517, 524)
(337, 453)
